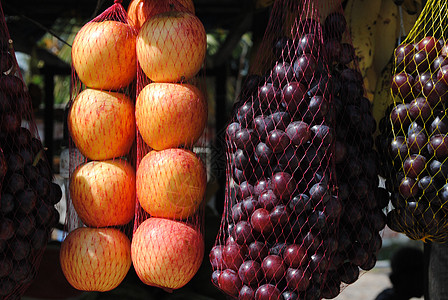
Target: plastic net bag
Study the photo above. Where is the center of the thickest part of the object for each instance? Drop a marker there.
(28, 193)
(171, 116)
(302, 212)
(96, 253)
(414, 133)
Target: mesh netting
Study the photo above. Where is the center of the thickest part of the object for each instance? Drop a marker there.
(303, 209)
(171, 115)
(101, 122)
(28, 193)
(414, 132)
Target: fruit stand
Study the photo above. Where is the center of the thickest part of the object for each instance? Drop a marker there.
(220, 149)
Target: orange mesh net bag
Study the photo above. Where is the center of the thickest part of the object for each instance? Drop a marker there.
(28, 193)
(414, 132)
(171, 116)
(303, 209)
(96, 253)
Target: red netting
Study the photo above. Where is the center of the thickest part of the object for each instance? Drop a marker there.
(303, 210)
(96, 254)
(28, 193)
(414, 132)
(171, 115)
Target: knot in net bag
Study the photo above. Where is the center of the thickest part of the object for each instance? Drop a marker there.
(28, 193)
(96, 253)
(303, 210)
(415, 130)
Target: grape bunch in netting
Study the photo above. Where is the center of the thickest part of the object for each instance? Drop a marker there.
(303, 209)
(414, 130)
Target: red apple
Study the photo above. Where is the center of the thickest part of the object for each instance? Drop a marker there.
(166, 253)
(171, 46)
(95, 259)
(103, 192)
(102, 124)
(169, 115)
(103, 55)
(141, 10)
(171, 183)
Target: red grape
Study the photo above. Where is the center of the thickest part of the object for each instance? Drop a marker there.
(215, 257)
(268, 292)
(261, 222)
(431, 46)
(403, 56)
(298, 132)
(294, 95)
(277, 140)
(233, 255)
(408, 187)
(257, 251)
(297, 279)
(402, 84)
(246, 293)
(438, 146)
(273, 267)
(250, 272)
(283, 185)
(229, 282)
(294, 255)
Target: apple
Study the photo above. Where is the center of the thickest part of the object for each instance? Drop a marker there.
(169, 115)
(171, 46)
(103, 55)
(103, 192)
(171, 183)
(102, 124)
(141, 10)
(166, 253)
(95, 259)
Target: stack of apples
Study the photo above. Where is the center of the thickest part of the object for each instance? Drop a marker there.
(171, 114)
(101, 121)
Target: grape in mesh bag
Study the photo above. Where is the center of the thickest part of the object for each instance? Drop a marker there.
(413, 136)
(294, 230)
(28, 195)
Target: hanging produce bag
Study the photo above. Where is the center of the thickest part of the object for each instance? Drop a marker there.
(96, 254)
(414, 130)
(171, 116)
(28, 193)
(303, 209)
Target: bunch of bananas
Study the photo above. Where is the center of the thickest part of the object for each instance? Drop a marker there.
(376, 28)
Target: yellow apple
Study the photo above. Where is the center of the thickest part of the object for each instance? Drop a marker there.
(95, 259)
(166, 253)
(102, 124)
(170, 115)
(103, 192)
(141, 10)
(171, 183)
(171, 46)
(103, 55)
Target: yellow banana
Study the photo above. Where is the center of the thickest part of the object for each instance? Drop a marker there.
(382, 97)
(387, 33)
(363, 15)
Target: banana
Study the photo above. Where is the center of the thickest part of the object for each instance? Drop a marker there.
(382, 97)
(387, 33)
(412, 7)
(363, 16)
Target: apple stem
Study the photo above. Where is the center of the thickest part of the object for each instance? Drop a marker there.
(171, 6)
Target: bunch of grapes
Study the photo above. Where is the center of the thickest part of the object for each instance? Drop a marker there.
(28, 195)
(414, 136)
(304, 207)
